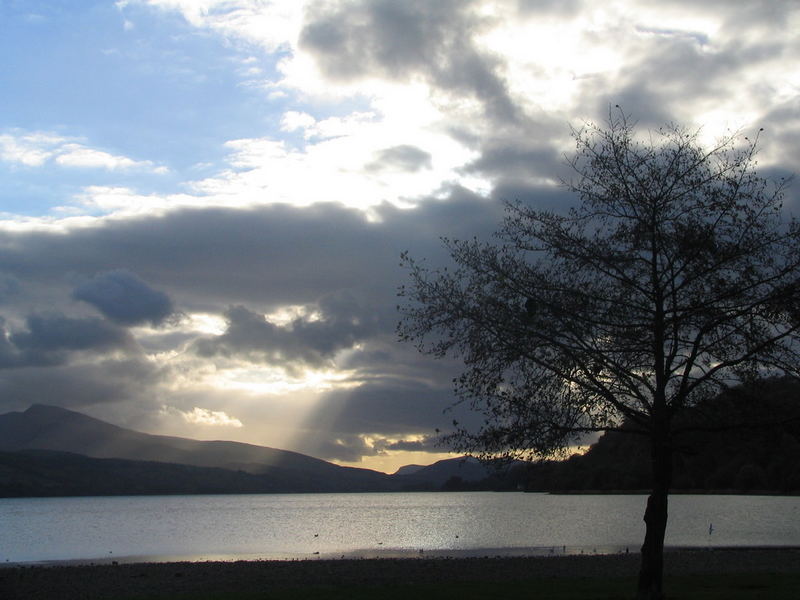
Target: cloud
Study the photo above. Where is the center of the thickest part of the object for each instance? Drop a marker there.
(48, 339)
(402, 158)
(129, 384)
(388, 408)
(9, 288)
(351, 448)
(35, 149)
(381, 126)
(270, 24)
(536, 161)
(407, 40)
(429, 443)
(76, 155)
(125, 299)
(29, 149)
(540, 7)
(310, 340)
(214, 418)
(214, 258)
(328, 309)
(354, 448)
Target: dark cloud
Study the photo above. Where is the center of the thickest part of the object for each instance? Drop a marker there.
(540, 7)
(389, 407)
(738, 14)
(128, 383)
(401, 158)
(518, 159)
(368, 420)
(640, 99)
(431, 443)
(676, 70)
(125, 299)
(48, 339)
(9, 288)
(306, 341)
(414, 38)
(513, 190)
(782, 130)
(331, 260)
(340, 266)
(351, 448)
(264, 258)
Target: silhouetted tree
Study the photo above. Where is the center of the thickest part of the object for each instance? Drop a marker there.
(675, 276)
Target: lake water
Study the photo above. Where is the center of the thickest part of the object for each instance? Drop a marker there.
(437, 524)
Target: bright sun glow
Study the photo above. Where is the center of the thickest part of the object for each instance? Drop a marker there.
(271, 380)
(207, 323)
(393, 460)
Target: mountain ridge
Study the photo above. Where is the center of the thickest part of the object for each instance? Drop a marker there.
(46, 427)
(45, 436)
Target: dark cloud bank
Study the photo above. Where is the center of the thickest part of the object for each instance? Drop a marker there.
(241, 265)
(125, 299)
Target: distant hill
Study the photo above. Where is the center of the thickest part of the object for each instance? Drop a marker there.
(52, 451)
(408, 469)
(44, 427)
(744, 441)
(49, 473)
(47, 450)
(447, 473)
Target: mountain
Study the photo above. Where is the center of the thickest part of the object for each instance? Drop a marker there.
(52, 451)
(28, 473)
(43, 427)
(47, 450)
(745, 440)
(408, 469)
(450, 472)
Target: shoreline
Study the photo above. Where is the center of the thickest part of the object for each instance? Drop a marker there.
(532, 552)
(142, 580)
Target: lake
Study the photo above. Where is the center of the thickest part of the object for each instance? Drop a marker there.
(290, 526)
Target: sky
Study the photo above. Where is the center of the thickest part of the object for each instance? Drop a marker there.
(203, 202)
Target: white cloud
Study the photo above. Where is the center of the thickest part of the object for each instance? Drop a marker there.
(77, 155)
(293, 120)
(216, 418)
(333, 166)
(29, 149)
(117, 201)
(559, 67)
(34, 149)
(272, 24)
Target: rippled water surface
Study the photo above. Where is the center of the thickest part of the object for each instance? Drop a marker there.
(302, 525)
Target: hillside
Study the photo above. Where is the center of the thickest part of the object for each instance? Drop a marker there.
(47, 450)
(44, 427)
(744, 441)
(50, 473)
(51, 451)
(450, 473)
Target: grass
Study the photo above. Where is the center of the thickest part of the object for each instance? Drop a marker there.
(688, 587)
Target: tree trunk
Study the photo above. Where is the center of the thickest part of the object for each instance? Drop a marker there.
(655, 518)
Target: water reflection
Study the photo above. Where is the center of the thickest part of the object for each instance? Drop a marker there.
(334, 525)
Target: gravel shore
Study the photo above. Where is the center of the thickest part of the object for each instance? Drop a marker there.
(98, 582)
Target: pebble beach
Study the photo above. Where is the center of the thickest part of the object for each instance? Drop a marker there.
(142, 580)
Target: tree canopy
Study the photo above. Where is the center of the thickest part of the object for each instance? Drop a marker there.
(675, 275)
